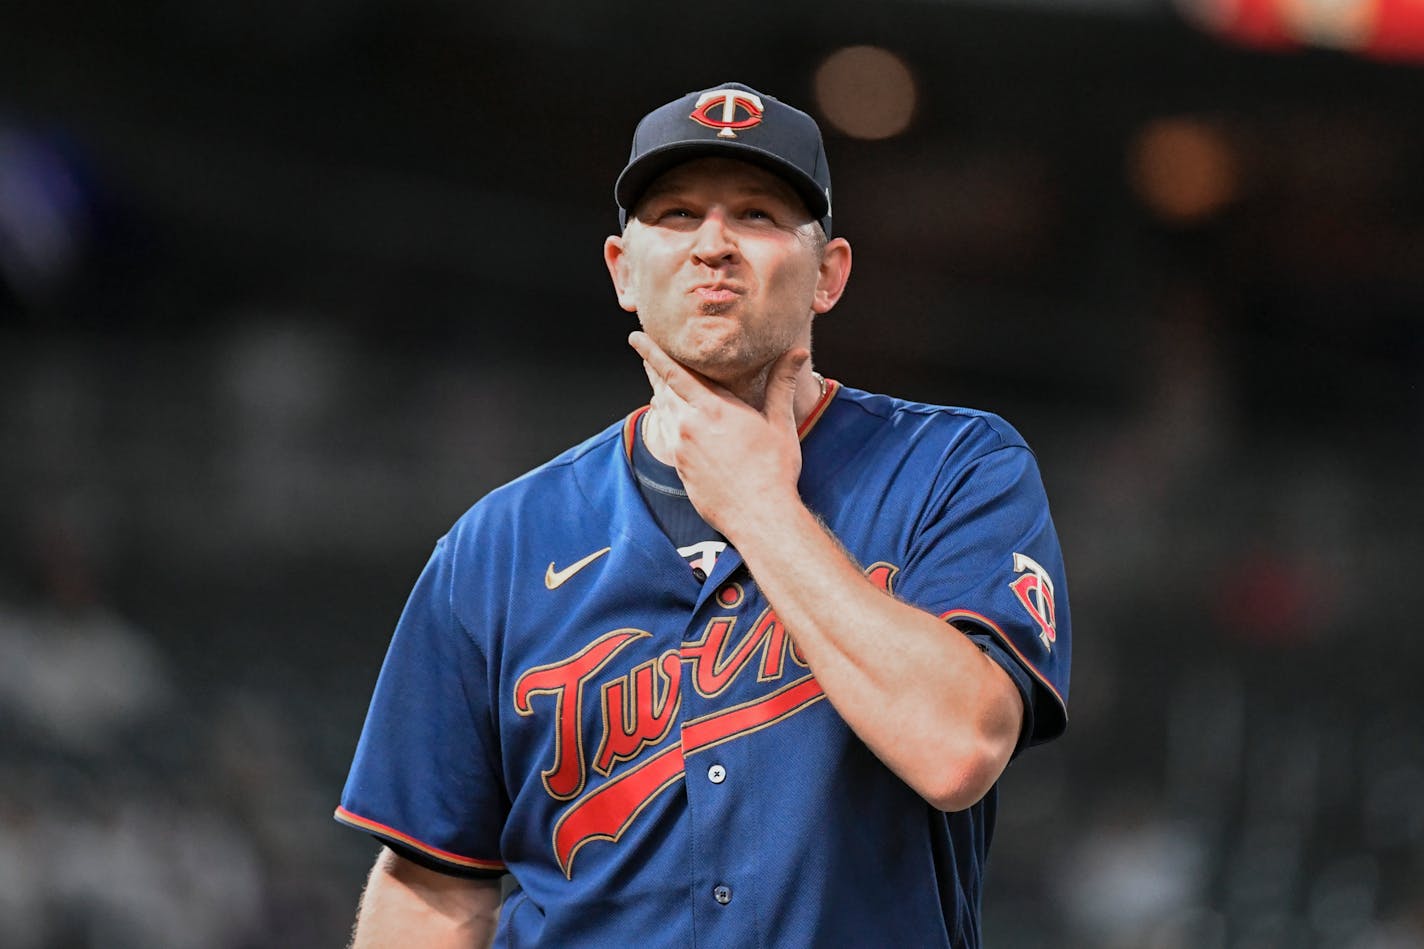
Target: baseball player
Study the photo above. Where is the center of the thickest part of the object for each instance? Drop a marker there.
(744, 668)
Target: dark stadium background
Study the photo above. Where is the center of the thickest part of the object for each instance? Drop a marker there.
(285, 286)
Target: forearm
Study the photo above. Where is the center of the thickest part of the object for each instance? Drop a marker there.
(407, 905)
(925, 699)
(930, 704)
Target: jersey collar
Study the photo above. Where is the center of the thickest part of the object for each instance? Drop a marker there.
(630, 424)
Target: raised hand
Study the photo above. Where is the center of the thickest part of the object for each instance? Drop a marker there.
(739, 464)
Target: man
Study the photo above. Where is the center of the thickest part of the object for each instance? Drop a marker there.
(743, 669)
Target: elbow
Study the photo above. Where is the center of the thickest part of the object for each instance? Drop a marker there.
(969, 771)
(975, 755)
(962, 786)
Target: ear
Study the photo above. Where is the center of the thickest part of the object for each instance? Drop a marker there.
(620, 268)
(835, 271)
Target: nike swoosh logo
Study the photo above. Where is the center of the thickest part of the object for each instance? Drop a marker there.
(553, 579)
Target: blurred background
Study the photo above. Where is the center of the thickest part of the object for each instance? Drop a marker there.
(284, 287)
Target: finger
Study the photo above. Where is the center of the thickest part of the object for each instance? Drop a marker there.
(663, 396)
(679, 379)
(651, 352)
(781, 383)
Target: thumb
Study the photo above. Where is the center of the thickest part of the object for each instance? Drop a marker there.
(781, 383)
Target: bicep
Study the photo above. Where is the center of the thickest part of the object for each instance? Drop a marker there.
(986, 560)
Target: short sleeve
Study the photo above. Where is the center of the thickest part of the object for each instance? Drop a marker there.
(426, 778)
(986, 559)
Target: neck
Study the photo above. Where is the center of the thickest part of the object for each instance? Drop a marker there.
(660, 434)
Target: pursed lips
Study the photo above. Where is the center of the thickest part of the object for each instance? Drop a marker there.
(716, 292)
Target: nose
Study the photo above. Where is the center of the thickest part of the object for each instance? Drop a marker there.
(714, 244)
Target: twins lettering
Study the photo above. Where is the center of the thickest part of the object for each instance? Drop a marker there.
(640, 707)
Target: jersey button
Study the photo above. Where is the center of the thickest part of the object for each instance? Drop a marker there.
(722, 893)
(700, 574)
(716, 774)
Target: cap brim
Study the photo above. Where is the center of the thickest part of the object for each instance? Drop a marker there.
(636, 178)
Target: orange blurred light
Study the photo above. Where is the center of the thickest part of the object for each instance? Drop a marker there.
(1184, 170)
(866, 92)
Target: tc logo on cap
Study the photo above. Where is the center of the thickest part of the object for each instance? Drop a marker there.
(730, 100)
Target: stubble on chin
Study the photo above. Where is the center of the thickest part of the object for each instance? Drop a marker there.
(744, 376)
(725, 360)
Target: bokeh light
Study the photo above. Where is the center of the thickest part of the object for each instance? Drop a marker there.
(1184, 169)
(866, 92)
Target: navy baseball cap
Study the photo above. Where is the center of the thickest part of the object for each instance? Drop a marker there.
(730, 120)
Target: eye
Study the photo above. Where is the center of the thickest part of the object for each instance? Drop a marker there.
(675, 214)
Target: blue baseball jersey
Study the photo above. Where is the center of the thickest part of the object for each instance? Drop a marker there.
(648, 754)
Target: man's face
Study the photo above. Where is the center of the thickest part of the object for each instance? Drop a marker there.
(723, 265)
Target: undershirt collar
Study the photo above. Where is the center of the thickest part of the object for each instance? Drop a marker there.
(666, 497)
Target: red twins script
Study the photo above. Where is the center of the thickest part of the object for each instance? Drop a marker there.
(640, 708)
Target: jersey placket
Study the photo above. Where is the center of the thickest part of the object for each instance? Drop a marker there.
(722, 814)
